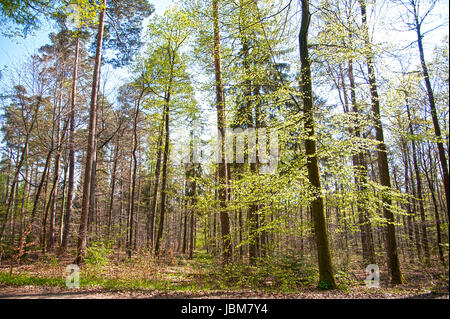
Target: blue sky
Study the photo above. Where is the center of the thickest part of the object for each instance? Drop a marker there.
(13, 52)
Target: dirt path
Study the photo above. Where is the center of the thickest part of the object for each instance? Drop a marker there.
(32, 292)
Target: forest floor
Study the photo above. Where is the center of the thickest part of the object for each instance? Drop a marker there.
(180, 278)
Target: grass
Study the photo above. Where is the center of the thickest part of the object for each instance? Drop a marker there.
(281, 274)
(92, 282)
(203, 273)
(27, 280)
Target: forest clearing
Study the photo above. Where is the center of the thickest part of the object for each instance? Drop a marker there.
(234, 149)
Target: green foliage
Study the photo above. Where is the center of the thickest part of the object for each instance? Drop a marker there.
(50, 260)
(324, 285)
(26, 14)
(345, 279)
(97, 255)
(28, 280)
(287, 273)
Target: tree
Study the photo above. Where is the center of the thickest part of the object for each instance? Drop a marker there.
(90, 152)
(27, 14)
(383, 165)
(326, 276)
(416, 25)
(221, 125)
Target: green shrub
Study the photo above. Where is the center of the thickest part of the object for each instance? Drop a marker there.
(97, 254)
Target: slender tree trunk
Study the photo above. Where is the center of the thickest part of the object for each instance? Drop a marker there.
(431, 101)
(63, 200)
(165, 158)
(70, 186)
(192, 226)
(138, 201)
(113, 185)
(436, 215)
(38, 194)
(419, 193)
(8, 177)
(408, 203)
(184, 244)
(221, 124)
(383, 165)
(24, 204)
(90, 153)
(133, 175)
(360, 172)
(326, 276)
(153, 205)
(54, 192)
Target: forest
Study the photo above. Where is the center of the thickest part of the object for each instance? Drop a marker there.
(227, 148)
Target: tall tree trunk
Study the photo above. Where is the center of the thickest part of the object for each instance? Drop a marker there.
(113, 186)
(436, 215)
(154, 201)
(360, 172)
(90, 153)
(383, 165)
(408, 203)
(38, 195)
(24, 204)
(253, 208)
(192, 226)
(419, 192)
(8, 176)
(326, 276)
(165, 156)
(63, 200)
(133, 175)
(221, 124)
(54, 192)
(138, 201)
(431, 101)
(70, 186)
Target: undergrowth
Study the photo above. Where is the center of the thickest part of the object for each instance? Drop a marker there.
(103, 269)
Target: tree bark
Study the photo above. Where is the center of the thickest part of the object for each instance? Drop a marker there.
(383, 165)
(70, 186)
(153, 205)
(420, 199)
(165, 156)
(221, 124)
(133, 176)
(360, 171)
(90, 153)
(433, 109)
(326, 275)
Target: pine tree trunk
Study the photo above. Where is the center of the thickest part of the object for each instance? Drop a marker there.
(90, 153)
(70, 186)
(133, 175)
